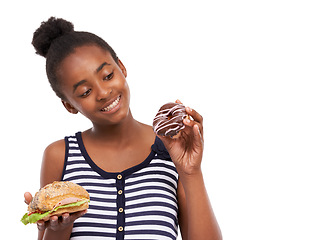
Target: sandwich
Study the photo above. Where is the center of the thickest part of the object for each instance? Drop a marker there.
(54, 199)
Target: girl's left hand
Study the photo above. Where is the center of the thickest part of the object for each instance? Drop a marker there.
(186, 151)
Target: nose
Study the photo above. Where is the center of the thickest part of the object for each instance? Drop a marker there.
(103, 92)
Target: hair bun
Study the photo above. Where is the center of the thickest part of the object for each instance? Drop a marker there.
(48, 32)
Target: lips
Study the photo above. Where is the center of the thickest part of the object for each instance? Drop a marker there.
(111, 105)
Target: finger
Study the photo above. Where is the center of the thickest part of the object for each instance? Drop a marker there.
(40, 234)
(28, 197)
(194, 114)
(65, 218)
(192, 124)
(188, 122)
(41, 225)
(76, 215)
(198, 142)
(198, 135)
(53, 222)
(178, 101)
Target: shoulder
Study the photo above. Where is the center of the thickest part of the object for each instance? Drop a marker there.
(52, 162)
(55, 148)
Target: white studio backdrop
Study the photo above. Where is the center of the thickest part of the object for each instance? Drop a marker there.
(244, 65)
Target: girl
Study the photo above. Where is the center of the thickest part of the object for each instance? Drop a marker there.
(141, 186)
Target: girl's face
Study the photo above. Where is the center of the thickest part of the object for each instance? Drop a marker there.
(95, 85)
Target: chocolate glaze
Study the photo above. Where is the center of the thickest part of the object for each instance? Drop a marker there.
(169, 119)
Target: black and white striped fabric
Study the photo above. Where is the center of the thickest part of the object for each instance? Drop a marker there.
(138, 203)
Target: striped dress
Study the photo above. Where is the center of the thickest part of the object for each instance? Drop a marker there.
(138, 203)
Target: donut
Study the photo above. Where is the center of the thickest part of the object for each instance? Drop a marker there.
(169, 119)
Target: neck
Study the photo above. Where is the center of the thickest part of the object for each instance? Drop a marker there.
(116, 133)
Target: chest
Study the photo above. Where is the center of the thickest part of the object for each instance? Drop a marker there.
(144, 200)
(118, 159)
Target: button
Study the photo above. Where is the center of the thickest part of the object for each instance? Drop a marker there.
(120, 229)
(119, 176)
(120, 192)
(120, 210)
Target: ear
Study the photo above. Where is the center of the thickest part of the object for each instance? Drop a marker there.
(122, 68)
(69, 107)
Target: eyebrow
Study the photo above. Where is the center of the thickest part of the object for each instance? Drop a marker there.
(76, 85)
(101, 66)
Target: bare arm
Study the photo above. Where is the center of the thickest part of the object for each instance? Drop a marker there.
(51, 170)
(196, 217)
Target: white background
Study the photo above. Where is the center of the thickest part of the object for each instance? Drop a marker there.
(244, 65)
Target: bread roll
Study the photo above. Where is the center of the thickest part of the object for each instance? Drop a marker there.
(50, 195)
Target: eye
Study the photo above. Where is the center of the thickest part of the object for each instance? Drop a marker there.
(86, 93)
(109, 76)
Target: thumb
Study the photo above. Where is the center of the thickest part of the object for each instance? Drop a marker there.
(28, 197)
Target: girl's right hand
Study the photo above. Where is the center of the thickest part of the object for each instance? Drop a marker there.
(55, 223)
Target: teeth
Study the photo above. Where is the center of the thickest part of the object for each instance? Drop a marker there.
(110, 107)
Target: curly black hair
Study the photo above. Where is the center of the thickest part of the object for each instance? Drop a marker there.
(55, 39)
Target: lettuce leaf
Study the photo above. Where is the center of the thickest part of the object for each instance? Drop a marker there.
(37, 216)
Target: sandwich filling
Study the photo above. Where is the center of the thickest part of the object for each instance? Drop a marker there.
(33, 217)
(66, 201)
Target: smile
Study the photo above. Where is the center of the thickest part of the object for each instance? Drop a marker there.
(112, 105)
